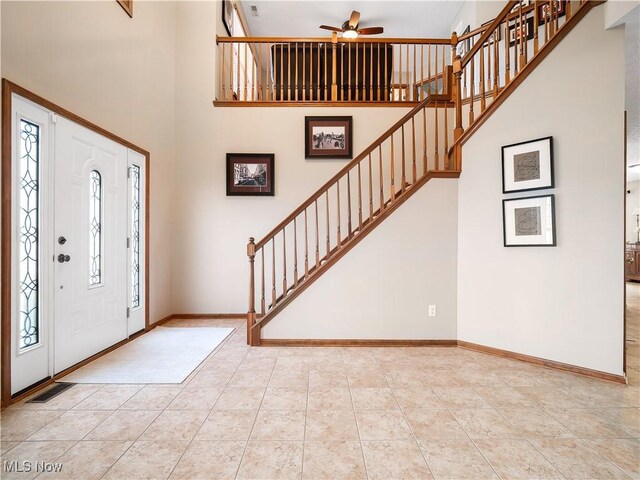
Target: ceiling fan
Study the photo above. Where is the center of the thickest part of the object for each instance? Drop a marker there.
(350, 28)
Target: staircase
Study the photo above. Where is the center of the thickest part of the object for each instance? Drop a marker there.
(424, 144)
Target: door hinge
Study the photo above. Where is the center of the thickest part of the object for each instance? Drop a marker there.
(128, 312)
(53, 117)
(128, 242)
(128, 172)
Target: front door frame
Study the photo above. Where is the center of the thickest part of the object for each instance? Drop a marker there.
(8, 89)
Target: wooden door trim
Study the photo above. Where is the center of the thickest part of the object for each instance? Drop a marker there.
(8, 89)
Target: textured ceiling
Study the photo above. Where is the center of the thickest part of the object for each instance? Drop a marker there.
(398, 17)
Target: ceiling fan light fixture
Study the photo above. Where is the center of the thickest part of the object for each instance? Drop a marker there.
(350, 34)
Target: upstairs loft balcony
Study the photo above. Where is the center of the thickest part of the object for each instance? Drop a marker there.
(279, 71)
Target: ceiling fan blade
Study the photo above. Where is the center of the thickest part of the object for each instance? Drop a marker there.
(371, 31)
(354, 19)
(333, 29)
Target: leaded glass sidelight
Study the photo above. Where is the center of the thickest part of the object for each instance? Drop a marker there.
(95, 228)
(28, 226)
(135, 236)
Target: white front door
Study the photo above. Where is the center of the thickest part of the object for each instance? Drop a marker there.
(91, 276)
(78, 220)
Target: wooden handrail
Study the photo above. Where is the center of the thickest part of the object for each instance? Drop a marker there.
(510, 85)
(335, 215)
(488, 32)
(482, 28)
(399, 171)
(472, 33)
(409, 41)
(322, 190)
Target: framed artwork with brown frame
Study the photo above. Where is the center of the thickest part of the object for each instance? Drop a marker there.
(250, 174)
(127, 6)
(328, 137)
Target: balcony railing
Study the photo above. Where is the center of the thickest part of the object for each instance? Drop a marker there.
(367, 71)
(494, 56)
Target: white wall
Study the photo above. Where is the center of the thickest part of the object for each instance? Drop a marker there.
(563, 303)
(615, 10)
(474, 13)
(633, 205)
(211, 229)
(117, 72)
(415, 266)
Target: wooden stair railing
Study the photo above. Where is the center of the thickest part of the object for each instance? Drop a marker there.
(349, 206)
(394, 167)
(499, 58)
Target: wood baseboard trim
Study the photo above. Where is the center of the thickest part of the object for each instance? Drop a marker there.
(204, 316)
(294, 342)
(350, 342)
(162, 321)
(542, 362)
(212, 316)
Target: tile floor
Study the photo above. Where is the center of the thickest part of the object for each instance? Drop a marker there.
(336, 413)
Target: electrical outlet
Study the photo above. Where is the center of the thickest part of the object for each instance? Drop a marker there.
(432, 310)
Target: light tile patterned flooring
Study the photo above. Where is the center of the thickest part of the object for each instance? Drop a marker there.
(336, 413)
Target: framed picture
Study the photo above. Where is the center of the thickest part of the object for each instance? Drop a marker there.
(544, 10)
(464, 46)
(227, 16)
(525, 33)
(527, 165)
(328, 137)
(529, 222)
(127, 6)
(250, 174)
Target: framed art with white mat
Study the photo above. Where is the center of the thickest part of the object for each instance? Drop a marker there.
(527, 165)
(529, 221)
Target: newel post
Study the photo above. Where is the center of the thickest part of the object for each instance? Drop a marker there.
(334, 69)
(251, 314)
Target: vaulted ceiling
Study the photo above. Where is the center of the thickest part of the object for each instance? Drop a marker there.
(398, 17)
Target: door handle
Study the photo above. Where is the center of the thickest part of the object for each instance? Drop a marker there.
(62, 258)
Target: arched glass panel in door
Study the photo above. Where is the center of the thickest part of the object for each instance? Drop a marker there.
(95, 228)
